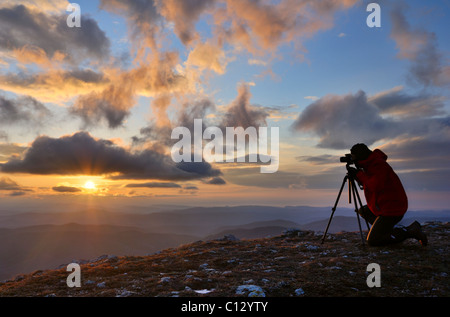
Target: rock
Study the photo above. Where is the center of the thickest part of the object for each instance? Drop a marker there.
(250, 290)
(299, 292)
(124, 293)
(311, 247)
(228, 237)
(113, 258)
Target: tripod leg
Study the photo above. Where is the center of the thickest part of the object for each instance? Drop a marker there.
(334, 207)
(355, 192)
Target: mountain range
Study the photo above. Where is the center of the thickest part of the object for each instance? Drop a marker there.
(45, 240)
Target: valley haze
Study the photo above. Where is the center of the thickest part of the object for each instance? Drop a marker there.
(40, 240)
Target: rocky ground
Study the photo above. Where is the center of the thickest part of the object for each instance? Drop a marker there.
(292, 264)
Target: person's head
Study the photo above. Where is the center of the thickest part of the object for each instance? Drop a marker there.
(360, 152)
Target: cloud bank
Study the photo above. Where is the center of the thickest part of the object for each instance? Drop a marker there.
(81, 154)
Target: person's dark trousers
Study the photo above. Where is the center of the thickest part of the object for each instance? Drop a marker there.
(383, 230)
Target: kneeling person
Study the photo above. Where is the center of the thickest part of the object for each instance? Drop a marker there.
(386, 198)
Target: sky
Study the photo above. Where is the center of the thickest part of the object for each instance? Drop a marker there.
(87, 113)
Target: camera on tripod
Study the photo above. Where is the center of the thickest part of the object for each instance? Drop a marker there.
(348, 158)
(352, 193)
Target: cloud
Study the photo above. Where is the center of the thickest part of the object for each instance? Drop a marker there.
(184, 14)
(112, 104)
(81, 154)
(54, 85)
(413, 130)
(261, 27)
(155, 78)
(240, 113)
(342, 121)
(397, 103)
(143, 18)
(159, 130)
(216, 181)
(66, 189)
(421, 48)
(7, 183)
(154, 185)
(12, 187)
(208, 56)
(22, 27)
(318, 160)
(22, 110)
(54, 6)
(8, 150)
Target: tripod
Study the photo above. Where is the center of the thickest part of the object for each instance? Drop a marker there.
(352, 191)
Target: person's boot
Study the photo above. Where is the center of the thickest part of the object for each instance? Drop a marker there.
(415, 231)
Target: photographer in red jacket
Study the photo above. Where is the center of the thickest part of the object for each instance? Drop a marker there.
(386, 198)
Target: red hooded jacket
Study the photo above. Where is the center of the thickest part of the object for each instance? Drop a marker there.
(383, 189)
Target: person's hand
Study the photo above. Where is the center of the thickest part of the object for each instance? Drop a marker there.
(352, 172)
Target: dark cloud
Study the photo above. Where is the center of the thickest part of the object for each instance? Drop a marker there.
(84, 75)
(396, 102)
(420, 157)
(342, 121)
(202, 169)
(15, 194)
(216, 181)
(23, 109)
(81, 154)
(424, 153)
(154, 185)
(242, 114)
(190, 188)
(112, 105)
(20, 27)
(66, 189)
(319, 160)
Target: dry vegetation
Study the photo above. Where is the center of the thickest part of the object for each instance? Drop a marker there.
(292, 264)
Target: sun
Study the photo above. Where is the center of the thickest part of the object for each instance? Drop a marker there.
(90, 185)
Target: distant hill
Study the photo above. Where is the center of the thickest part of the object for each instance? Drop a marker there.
(48, 246)
(44, 240)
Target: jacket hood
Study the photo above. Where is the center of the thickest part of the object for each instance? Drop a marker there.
(376, 156)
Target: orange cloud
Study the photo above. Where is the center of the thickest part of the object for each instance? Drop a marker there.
(55, 85)
(208, 56)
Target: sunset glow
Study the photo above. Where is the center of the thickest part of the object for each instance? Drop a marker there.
(89, 100)
(90, 185)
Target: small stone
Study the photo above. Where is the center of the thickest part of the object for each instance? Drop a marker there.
(253, 291)
(299, 292)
